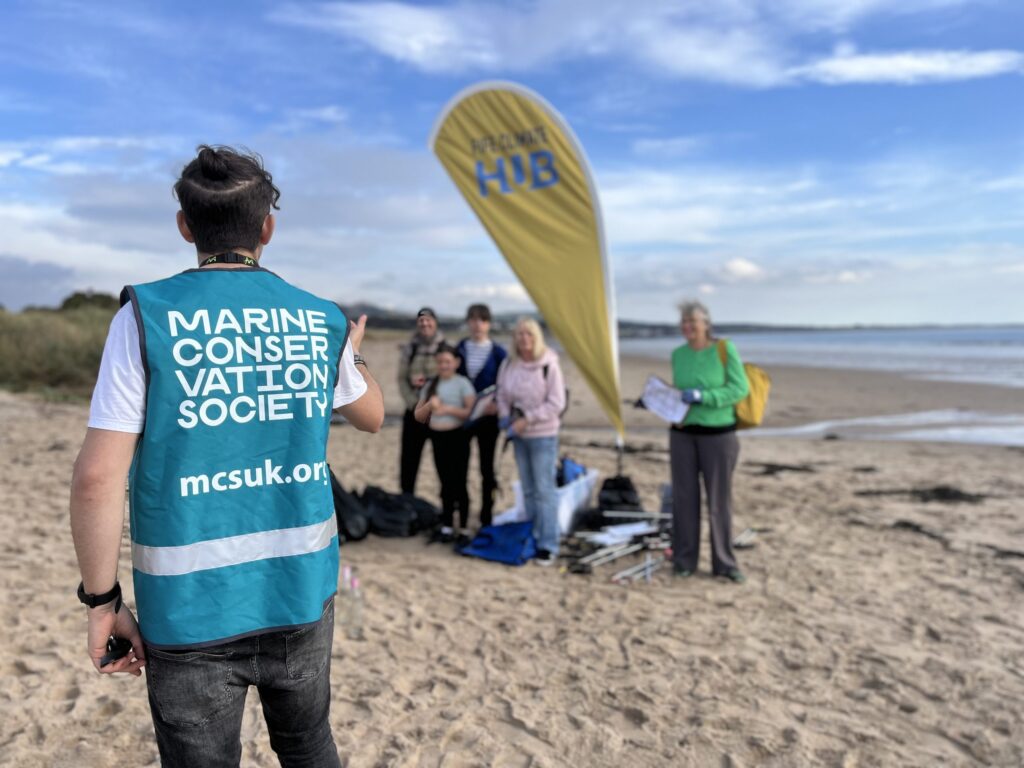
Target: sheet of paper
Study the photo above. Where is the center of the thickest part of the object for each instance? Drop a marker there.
(664, 401)
(484, 399)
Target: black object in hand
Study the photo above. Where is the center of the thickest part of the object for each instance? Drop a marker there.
(117, 647)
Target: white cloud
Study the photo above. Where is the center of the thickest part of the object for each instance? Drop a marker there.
(741, 269)
(754, 43)
(508, 291)
(81, 155)
(677, 146)
(10, 156)
(842, 277)
(328, 114)
(910, 67)
(46, 163)
(688, 39)
(353, 212)
(48, 235)
(1005, 183)
(840, 15)
(701, 205)
(738, 56)
(296, 120)
(73, 144)
(433, 39)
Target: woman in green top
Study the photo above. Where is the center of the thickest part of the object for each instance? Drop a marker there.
(704, 443)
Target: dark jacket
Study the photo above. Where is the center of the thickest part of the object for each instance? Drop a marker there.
(488, 375)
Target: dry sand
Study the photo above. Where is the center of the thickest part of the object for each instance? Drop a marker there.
(873, 629)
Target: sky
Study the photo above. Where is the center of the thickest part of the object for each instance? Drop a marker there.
(784, 161)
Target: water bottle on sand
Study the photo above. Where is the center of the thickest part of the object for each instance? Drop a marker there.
(344, 599)
(354, 617)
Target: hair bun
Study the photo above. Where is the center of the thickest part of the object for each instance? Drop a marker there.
(212, 165)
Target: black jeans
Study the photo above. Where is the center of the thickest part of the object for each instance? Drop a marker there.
(197, 698)
(451, 458)
(414, 437)
(485, 431)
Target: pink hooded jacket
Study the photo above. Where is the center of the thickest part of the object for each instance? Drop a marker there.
(523, 385)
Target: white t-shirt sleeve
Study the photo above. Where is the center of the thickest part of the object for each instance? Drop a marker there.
(351, 384)
(119, 399)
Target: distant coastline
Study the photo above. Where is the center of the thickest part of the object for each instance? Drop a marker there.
(380, 317)
(385, 318)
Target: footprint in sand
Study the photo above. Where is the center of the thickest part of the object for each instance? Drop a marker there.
(108, 707)
(21, 669)
(634, 715)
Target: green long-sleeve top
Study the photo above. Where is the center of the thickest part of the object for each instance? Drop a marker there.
(721, 387)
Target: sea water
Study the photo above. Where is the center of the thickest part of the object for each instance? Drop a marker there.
(981, 355)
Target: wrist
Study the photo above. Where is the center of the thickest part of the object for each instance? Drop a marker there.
(108, 601)
(358, 359)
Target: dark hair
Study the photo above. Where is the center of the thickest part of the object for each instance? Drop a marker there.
(225, 196)
(444, 346)
(479, 311)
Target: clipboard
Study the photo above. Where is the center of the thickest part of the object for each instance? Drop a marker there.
(664, 401)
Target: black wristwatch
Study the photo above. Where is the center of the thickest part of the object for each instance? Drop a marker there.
(94, 601)
(358, 359)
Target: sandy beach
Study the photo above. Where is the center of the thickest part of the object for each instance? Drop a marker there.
(876, 628)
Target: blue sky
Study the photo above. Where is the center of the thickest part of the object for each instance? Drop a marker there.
(787, 161)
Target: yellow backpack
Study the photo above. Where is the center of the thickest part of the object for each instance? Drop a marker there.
(750, 410)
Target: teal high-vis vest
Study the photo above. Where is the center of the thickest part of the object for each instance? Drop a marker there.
(232, 519)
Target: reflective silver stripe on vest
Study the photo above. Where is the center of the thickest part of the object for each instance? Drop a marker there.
(233, 550)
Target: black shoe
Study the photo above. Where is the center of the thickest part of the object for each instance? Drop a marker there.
(441, 535)
(543, 557)
(734, 575)
(462, 540)
(681, 572)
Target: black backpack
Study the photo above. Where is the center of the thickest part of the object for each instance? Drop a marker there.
(428, 517)
(619, 493)
(353, 521)
(396, 515)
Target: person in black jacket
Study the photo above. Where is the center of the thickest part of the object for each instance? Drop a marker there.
(480, 358)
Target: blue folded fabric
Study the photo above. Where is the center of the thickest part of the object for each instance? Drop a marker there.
(512, 544)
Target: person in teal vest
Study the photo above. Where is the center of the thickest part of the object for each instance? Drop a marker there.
(213, 401)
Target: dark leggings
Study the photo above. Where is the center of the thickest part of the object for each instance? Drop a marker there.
(485, 431)
(451, 457)
(414, 436)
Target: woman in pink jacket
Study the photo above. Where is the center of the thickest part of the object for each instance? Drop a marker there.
(531, 398)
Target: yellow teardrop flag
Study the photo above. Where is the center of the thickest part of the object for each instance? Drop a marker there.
(523, 172)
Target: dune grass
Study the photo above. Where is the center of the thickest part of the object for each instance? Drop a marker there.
(55, 352)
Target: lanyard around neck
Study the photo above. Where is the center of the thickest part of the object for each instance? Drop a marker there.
(230, 258)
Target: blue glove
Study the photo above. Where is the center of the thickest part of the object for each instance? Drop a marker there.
(692, 396)
(505, 422)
